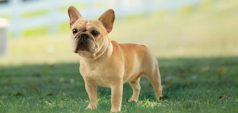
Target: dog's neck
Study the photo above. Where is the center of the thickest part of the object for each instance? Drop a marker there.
(105, 51)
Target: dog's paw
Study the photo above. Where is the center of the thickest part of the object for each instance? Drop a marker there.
(115, 110)
(91, 107)
(158, 96)
(132, 99)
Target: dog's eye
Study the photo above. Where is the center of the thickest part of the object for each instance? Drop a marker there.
(95, 33)
(75, 31)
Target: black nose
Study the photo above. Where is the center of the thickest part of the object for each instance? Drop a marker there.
(83, 36)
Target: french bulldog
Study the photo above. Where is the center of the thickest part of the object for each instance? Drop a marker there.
(107, 63)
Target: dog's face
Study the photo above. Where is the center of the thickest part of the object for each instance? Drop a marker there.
(88, 36)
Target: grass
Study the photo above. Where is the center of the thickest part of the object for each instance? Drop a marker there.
(191, 85)
(197, 56)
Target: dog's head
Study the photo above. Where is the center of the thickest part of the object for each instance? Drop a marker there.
(88, 36)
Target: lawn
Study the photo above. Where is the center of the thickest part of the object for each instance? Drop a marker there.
(190, 85)
(197, 54)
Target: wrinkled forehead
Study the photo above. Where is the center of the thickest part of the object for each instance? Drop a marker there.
(82, 24)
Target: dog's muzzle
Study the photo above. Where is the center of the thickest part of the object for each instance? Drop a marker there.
(83, 37)
(83, 42)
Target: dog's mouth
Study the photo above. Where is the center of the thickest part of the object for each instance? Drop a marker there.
(82, 46)
(84, 43)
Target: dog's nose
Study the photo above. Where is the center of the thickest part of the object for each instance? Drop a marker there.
(83, 36)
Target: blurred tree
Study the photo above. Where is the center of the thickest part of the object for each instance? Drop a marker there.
(3, 1)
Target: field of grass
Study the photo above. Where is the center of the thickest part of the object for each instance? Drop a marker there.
(190, 85)
(197, 54)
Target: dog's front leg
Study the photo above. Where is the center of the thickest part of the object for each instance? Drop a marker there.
(92, 93)
(116, 97)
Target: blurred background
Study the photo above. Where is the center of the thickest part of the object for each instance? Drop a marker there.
(37, 31)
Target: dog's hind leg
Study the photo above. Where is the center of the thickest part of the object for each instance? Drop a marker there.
(136, 90)
(135, 85)
(156, 82)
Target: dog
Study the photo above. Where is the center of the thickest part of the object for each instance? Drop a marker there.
(108, 64)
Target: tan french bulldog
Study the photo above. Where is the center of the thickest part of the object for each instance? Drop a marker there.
(108, 64)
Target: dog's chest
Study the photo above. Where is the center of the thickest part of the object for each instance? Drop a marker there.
(95, 76)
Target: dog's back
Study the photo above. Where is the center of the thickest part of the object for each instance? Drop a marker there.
(138, 60)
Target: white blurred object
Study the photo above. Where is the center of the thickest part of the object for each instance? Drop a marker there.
(3, 36)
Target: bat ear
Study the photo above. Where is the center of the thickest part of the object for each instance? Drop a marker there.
(74, 15)
(107, 19)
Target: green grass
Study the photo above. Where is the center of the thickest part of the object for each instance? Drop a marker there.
(191, 85)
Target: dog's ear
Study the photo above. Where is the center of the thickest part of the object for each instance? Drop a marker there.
(107, 19)
(74, 15)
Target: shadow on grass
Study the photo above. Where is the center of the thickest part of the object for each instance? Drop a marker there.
(182, 79)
